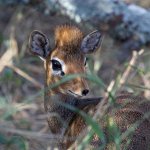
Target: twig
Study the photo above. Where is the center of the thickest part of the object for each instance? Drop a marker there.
(132, 62)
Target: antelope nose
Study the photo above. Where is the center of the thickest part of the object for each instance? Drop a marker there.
(85, 92)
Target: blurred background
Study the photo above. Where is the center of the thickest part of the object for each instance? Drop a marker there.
(126, 28)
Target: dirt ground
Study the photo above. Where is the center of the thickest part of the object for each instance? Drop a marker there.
(21, 85)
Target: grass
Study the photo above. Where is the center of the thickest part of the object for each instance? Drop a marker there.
(22, 117)
(11, 110)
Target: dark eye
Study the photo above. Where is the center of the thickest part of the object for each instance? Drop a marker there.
(56, 65)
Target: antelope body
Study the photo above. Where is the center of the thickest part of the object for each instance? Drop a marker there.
(69, 57)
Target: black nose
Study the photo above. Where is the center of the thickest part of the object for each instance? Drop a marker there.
(85, 92)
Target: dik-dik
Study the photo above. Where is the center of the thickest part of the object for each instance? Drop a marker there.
(68, 56)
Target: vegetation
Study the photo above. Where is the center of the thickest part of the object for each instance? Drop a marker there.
(23, 124)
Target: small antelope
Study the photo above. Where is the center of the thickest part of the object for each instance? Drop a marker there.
(69, 57)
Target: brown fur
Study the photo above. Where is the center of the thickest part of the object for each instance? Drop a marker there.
(131, 109)
(68, 38)
(128, 110)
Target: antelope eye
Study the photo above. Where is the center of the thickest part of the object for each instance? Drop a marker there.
(56, 65)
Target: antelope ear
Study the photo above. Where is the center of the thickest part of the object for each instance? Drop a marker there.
(91, 42)
(39, 44)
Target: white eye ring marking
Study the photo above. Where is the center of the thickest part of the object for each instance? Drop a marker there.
(58, 73)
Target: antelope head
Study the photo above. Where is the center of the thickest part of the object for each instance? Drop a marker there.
(67, 57)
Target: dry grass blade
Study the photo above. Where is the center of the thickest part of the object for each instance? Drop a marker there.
(146, 80)
(7, 57)
(34, 135)
(109, 88)
(26, 76)
(132, 62)
(33, 68)
(23, 106)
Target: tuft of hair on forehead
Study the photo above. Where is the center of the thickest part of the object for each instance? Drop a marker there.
(68, 37)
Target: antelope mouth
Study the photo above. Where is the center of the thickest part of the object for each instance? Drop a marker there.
(74, 94)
